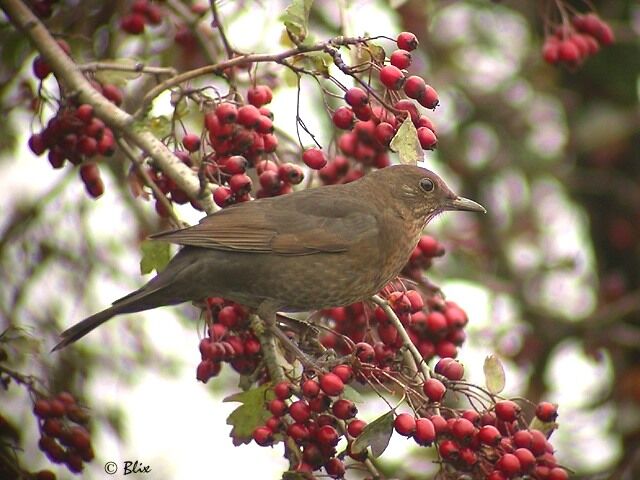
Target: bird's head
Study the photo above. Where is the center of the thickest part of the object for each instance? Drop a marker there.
(423, 193)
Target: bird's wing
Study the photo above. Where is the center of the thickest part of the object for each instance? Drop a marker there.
(307, 224)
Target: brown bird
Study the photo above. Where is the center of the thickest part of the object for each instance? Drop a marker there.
(317, 248)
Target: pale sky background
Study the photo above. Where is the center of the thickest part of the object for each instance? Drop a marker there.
(178, 428)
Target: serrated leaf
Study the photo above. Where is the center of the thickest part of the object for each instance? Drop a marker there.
(117, 77)
(251, 414)
(494, 377)
(296, 19)
(375, 435)
(155, 256)
(406, 143)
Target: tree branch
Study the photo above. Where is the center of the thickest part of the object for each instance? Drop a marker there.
(70, 75)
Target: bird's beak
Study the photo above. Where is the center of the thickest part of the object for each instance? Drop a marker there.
(461, 203)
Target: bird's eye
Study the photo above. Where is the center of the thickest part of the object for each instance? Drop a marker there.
(426, 184)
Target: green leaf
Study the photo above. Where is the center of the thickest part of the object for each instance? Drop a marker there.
(494, 377)
(318, 62)
(117, 77)
(406, 143)
(375, 435)
(352, 394)
(251, 414)
(545, 427)
(296, 19)
(155, 256)
(160, 126)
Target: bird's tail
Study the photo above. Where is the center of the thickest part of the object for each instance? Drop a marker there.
(145, 298)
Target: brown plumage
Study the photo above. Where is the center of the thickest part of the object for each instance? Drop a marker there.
(311, 249)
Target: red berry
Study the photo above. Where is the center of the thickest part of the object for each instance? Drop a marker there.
(365, 352)
(314, 158)
(414, 87)
(310, 388)
(191, 142)
(507, 411)
(356, 97)
(427, 138)
(546, 412)
(331, 384)
(496, 475)
(240, 183)
(538, 442)
(557, 473)
(429, 98)
(223, 196)
(425, 122)
(407, 41)
(391, 77)
(400, 59)
(84, 112)
(265, 125)
(551, 51)
(568, 52)
(112, 93)
(89, 173)
(463, 429)
(509, 465)
(298, 432)
(226, 113)
(451, 369)
(434, 389)
(449, 450)
(270, 143)
(436, 324)
(384, 133)
(335, 468)
(299, 411)
(277, 407)
(345, 372)
(489, 435)
(290, 173)
(425, 432)
(106, 145)
(526, 458)
(132, 23)
(355, 427)
(343, 118)
(405, 424)
(344, 409)
(248, 116)
(41, 68)
(37, 144)
(409, 106)
(327, 436)
(263, 436)
(259, 95)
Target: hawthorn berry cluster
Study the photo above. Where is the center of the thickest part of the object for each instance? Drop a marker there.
(493, 444)
(314, 414)
(229, 340)
(422, 257)
(572, 43)
(371, 125)
(436, 328)
(63, 434)
(140, 14)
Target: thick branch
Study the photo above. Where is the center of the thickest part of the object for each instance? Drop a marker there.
(70, 75)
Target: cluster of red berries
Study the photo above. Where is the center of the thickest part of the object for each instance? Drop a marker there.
(64, 438)
(422, 257)
(372, 127)
(435, 327)
(229, 340)
(43, 8)
(75, 134)
(490, 444)
(572, 44)
(141, 13)
(316, 422)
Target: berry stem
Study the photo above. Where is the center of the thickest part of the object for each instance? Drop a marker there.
(403, 333)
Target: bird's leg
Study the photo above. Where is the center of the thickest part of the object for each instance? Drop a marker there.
(270, 318)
